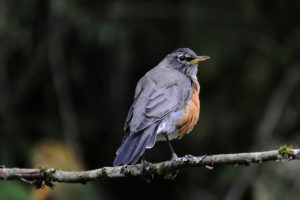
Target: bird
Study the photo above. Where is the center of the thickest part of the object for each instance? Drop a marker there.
(166, 106)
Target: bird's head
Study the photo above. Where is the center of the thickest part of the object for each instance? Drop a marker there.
(185, 60)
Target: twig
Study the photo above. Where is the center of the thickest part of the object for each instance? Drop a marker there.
(167, 169)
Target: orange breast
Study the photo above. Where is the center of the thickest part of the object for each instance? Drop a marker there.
(191, 110)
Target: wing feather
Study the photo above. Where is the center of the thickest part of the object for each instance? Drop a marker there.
(152, 103)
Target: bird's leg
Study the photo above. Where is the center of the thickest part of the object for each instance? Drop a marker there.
(174, 156)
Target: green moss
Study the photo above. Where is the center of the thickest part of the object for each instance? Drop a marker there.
(103, 173)
(284, 150)
(161, 170)
(42, 168)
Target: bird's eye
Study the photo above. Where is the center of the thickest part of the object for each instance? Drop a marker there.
(181, 57)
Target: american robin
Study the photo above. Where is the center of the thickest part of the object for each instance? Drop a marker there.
(166, 105)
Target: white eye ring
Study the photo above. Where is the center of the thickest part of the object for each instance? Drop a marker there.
(181, 57)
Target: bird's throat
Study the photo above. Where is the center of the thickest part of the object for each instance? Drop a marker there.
(195, 82)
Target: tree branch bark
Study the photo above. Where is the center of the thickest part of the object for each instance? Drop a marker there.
(168, 169)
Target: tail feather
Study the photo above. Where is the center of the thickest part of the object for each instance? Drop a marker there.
(135, 145)
(140, 149)
(152, 139)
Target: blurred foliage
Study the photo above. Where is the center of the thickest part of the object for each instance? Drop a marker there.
(68, 71)
(49, 153)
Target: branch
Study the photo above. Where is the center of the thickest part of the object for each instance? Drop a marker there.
(167, 169)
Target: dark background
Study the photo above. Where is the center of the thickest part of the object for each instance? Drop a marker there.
(69, 70)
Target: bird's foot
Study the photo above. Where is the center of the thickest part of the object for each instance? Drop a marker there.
(174, 157)
(145, 162)
(148, 177)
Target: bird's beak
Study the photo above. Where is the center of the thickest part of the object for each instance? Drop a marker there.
(198, 59)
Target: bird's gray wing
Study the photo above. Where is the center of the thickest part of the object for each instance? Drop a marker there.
(151, 104)
(129, 115)
(160, 102)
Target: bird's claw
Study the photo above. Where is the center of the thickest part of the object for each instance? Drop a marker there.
(174, 157)
(146, 164)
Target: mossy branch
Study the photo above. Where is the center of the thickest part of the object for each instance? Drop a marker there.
(168, 169)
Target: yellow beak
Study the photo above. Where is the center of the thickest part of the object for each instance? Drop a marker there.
(198, 59)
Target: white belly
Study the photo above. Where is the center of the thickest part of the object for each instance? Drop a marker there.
(168, 125)
(171, 136)
(164, 128)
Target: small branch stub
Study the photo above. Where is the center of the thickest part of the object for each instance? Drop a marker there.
(167, 169)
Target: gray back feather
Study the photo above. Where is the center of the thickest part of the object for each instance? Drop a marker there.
(161, 91)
